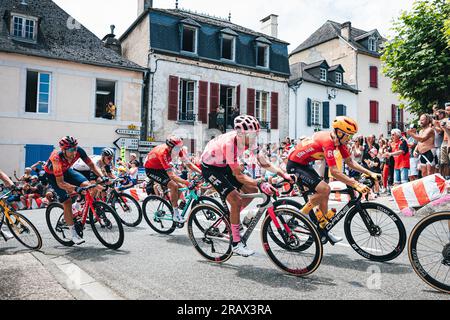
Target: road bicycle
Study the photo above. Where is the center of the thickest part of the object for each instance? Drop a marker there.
(21, 228)
(373, 230)
(158, 211)
(104, 220)
(429, 250)
(284, 232)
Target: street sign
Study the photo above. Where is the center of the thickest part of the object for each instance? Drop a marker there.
(128, 132)
(127, 143)
(147, 143)
(145, 149)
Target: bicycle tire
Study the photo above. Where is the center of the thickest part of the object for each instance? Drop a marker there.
(106, 223)
(413, 254)
(60, 225)
(154, 219)
(130, 202)
(18, 230)
(293, 247)
(361, 249)
(210, 235)
(207, 200)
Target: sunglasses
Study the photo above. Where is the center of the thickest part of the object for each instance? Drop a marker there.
(71, 149)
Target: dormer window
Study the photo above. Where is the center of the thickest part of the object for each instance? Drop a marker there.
(323, 74)
(339, 78)
(228, 47)
(24, 28)
(189, 42)
(373, 44)
(263, 52)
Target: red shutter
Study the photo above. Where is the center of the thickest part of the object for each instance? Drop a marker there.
(373, 77)
(394, 113)
(374, 111)
(274, 111)
(238, 97)
(251, 102)
(401, 115)
(377, 110)
(173, 98)
(203, 102)
(213, 97)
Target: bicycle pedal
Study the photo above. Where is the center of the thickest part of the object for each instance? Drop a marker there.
(180, 225)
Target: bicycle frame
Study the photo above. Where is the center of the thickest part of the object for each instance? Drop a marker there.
(5, 208)
(89, 201)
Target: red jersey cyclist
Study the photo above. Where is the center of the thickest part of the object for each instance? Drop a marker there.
(65, 180)
(158, 168)
(322, 146)
(220, 166)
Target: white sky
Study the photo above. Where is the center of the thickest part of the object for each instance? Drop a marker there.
(297, 18)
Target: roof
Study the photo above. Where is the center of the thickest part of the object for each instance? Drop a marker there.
(59, 37)
(202, 18)
(299, 71)
(332, 30)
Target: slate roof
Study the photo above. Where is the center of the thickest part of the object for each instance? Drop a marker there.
(299, 71)
(331, 30)
(55, 40)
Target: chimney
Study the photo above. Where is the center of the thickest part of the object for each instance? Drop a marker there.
(110, 41)
(24, 2)
(270, 25)
(143, 5)
(345, 30)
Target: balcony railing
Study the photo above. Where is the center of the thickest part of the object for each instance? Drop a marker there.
(396, 125)
(186, 117)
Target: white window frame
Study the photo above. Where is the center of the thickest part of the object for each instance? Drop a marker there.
(38, 92)
(323, 74)
(24, 19)
(116, 95)
(180, 97)
(233, 47)
(372, 44)
(316, 109)
(195, 29)
(339, 78)
(259, 105)
(266, 55)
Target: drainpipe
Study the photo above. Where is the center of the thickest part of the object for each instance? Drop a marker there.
(295, 88)
(152, 82)
(144, 104)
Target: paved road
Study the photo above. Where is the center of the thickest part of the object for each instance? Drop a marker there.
(153, 266)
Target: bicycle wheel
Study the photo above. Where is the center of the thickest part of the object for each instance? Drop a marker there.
(213, 238)
(429, 250)
(54, 216)
(24, 231)
(158, 213)
(210, 201)
(106, 225)
(384, 240)
(128, 209)
(290, 257)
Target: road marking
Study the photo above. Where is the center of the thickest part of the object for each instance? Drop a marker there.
(349, 246)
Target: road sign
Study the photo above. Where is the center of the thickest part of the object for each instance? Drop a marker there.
(127, 143)
(128, 132)
(147, 144)
(145, 149)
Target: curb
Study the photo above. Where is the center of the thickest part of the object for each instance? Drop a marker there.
(75, 280)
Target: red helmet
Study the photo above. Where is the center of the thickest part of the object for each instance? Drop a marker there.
(173, 141)
(246, 124)
(68, 142)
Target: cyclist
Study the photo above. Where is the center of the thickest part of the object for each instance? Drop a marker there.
(220, 166)
(322, 146)
(103, 162)
(158, 168)
(9, 184)
(65, 180)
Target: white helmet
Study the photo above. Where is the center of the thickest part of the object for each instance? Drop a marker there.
(246, 124)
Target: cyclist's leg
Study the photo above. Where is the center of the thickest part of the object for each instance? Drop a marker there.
(77, 179)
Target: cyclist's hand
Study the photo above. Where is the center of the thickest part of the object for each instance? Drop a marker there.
(375, 176)
(104, 179)
(79, 190)
(288, 177)
(361, 188)
(267, 188)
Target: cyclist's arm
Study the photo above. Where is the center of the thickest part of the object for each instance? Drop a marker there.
(242, 178)
(267, 165)
(65, 185)
(176, 178)
(339, 175)
(6, 179)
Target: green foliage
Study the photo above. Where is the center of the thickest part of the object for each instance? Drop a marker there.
(417, 59)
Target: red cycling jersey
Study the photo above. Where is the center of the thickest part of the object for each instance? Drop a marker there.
(320, 146)
(57, 164)
(160, 157)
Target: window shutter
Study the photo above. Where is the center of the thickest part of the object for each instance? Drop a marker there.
(203, 102)
(238, 97)
(344, 110)
(373, 77)
(340, 110)
(374, 111)
(401, 115)
(394, 113)
(274, 111)
(251, 102)
(326, 115)
(309, 112)
(213, 97)
(173, 98)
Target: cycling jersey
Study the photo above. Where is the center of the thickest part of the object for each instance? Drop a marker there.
(160, 157)
(81, 166)
(320, 146)
(57, 164)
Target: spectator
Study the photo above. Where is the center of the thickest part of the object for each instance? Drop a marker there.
(26, 177)
(425, 145)
(374, 165)
(444, 124)
(400, 152)
(413, 160)
(221, 118)
(110, 111)
(438, 134)
(38, 167)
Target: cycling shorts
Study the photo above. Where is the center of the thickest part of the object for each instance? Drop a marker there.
(305, 173)
(158, 175)
(222, 179)
(70, 176)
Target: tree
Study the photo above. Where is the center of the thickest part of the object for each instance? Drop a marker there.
(417, 59)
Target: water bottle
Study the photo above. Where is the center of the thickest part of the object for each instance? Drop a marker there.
(249, 217)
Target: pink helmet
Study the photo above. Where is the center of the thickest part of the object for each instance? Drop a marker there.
(246, 124)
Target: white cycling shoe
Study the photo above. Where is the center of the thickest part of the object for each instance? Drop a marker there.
(76, 238)
(242, 250)
(178, 219)
(8, 235)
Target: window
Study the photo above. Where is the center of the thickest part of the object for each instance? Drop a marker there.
(23, 27)
(228, 47)
(315, 113)
(341, 110)
(338, 78)
(373, 112)
(373, 77)
(373, 44)
(262, 57)
(262, 108)
(323, 74)
(105, 106)
(189, 43)
(186, 101)
(37, 92)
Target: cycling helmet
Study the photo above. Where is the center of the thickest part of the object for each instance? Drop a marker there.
(346, 125)
(122, 169)
(108, 152)
(173, 141)
(246, 124)
(68, 142)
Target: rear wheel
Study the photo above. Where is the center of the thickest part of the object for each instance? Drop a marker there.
(54, 216)
(128, 209)
(106, 225)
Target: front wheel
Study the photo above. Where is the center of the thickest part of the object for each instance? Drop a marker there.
(429, 250)
(106, 225)
(24, 231)
(128, 209)
(375, 232)
(158, 213)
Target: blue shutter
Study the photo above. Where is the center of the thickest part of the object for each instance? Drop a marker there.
(341, 110)
(326, 115)
(98, 151)
(37, 152)
(309, 112)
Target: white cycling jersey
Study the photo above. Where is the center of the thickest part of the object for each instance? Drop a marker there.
(80, 165)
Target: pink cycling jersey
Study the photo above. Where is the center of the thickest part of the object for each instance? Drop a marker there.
(224, 151)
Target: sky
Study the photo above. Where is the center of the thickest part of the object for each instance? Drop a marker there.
(297, 20)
